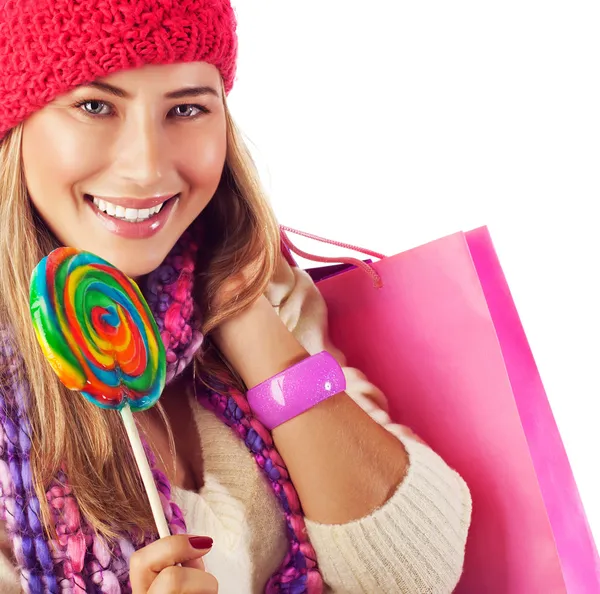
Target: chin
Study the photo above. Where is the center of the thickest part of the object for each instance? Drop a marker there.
(134, 265)
(137, 269)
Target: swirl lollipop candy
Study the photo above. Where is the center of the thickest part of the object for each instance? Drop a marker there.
(96, 330)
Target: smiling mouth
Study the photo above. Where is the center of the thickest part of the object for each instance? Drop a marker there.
(122, 213)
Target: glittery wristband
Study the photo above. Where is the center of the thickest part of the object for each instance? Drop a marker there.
(295, 390)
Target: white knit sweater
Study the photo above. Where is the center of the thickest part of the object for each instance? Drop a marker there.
(413, 544)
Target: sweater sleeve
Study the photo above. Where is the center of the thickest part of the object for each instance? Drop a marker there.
(413, 544)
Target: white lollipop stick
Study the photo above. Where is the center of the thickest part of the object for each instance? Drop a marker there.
(147, 478)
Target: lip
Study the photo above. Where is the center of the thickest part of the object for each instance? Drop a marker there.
(141, 230)
(138, 203)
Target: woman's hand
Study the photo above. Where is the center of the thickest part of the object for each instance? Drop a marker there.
(155, 570)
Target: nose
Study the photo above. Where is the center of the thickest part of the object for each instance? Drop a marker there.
(142, 152)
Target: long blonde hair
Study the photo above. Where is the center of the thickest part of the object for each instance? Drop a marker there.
(242, 234)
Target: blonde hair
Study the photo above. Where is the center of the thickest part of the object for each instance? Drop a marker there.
(93, 449)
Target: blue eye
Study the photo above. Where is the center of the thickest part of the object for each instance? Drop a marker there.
(97, 108)
(188, 111)
(94, 107)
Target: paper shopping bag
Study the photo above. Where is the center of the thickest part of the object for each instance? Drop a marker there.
(443, 340)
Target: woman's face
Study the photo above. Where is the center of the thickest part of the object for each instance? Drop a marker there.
(122, 167)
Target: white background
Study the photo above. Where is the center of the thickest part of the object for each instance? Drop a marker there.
(389, 124)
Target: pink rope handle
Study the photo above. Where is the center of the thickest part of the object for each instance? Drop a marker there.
(377, 281)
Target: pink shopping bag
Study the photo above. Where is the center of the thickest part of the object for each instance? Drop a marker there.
(443, 340)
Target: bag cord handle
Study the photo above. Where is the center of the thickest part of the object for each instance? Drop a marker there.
(377, 281)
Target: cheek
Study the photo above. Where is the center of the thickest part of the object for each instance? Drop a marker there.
(202, 160)
(55, 156)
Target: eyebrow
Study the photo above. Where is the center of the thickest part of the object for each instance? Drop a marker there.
(185, 93)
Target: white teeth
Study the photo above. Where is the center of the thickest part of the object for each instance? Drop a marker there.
(134, 215)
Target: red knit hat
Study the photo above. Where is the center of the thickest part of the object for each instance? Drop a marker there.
(49, 47)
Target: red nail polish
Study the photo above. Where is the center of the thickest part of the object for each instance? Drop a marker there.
(201, 542)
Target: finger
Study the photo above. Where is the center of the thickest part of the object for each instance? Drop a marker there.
(149, 561)
(184, 580)
(201, 543)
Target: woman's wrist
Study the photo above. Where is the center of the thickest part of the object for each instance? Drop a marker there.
(257, 343)
(294, 391)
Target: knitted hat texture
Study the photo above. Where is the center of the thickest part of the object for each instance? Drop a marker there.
(49, 47)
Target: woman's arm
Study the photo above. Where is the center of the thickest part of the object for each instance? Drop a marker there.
(413, 543)
(343, 464)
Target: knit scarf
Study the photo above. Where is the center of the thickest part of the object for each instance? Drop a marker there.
(80, 560)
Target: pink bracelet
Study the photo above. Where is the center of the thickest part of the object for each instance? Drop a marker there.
(295, 390)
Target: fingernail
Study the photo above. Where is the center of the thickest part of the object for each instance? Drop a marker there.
(201, 542)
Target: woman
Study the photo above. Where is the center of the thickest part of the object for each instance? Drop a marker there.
(116, 139)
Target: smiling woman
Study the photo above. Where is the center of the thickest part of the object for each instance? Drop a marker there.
(115, 138)
(97, 159)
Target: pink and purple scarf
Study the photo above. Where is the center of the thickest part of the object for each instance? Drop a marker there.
(80, 560)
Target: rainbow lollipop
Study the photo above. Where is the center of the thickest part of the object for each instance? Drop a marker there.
(98, 333)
